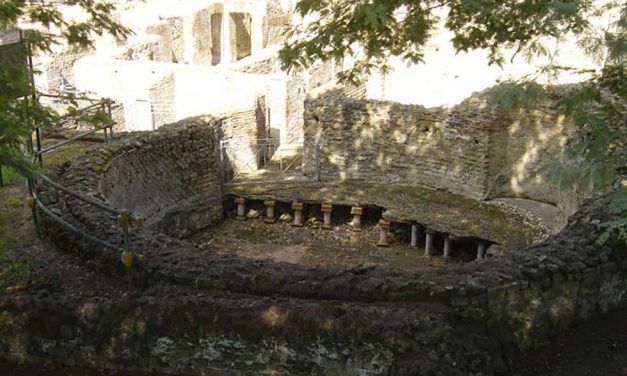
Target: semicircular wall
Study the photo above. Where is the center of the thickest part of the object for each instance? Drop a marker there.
(169, 178)
(522, 298)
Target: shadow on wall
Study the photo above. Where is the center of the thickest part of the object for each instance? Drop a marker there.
(167, 177)
(521, 144)
(243, 135)
(466, 150)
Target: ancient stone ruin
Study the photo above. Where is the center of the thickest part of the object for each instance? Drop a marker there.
(242, 313)
(286, 224)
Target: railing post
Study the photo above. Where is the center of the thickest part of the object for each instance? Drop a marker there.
(112, 123)
(29, 142)
(265, 153)
(40, 156)
(1, 178)
(127, 256)
(110, 112)
(103, 108)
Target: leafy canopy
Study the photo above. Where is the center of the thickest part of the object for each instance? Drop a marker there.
(372, 31)
(18, 112)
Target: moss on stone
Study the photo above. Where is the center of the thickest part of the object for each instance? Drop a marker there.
(436, 210)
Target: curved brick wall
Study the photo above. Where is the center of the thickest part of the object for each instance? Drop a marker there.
(167, 177)
(411, 321)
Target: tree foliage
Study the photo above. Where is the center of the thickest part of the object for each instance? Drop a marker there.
(46, 28)
(372, 31)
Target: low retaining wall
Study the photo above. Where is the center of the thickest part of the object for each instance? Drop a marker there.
(181, 332)
(520, 299)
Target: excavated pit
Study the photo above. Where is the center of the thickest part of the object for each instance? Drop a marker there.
(253, 285)
(174, 184)
(314, 245)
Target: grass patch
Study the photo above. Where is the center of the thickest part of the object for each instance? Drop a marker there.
(55, 158)
(8, 174)
(13, 213)
(15, 202)
(8, 236)
(11, 271)
(63, 154)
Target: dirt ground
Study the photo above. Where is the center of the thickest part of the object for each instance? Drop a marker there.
(314, 246)
(36, 265)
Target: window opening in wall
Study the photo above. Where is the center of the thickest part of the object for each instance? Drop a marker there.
(241, 34)
(216, 38)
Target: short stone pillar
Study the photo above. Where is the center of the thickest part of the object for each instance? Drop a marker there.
(241, 208)
(384, 233)
(447, 246)
(357, 212)
(298, 213)
(270, 204)
(415, 231)
(326, 214)
(480, 250)
(429, 242)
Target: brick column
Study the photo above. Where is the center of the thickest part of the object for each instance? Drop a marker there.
(270, 204)
(384, 229)
(241, 208)
(357, 212)
(298, 213)
(326, 212)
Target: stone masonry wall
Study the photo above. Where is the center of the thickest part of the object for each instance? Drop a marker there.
(150, 47)
(59, 70)
(171, 36)
(465, 150)
(266, 65)
(162, 101)
(520, 146)
(387, 142)
(177, 331)
(202, 35)
(242, 130)
(274, 29)
(168, 177)
(117, 114)
(295, 106)
(241, 35)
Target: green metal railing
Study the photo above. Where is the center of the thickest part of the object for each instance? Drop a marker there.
(123, 216)
(103, 105)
